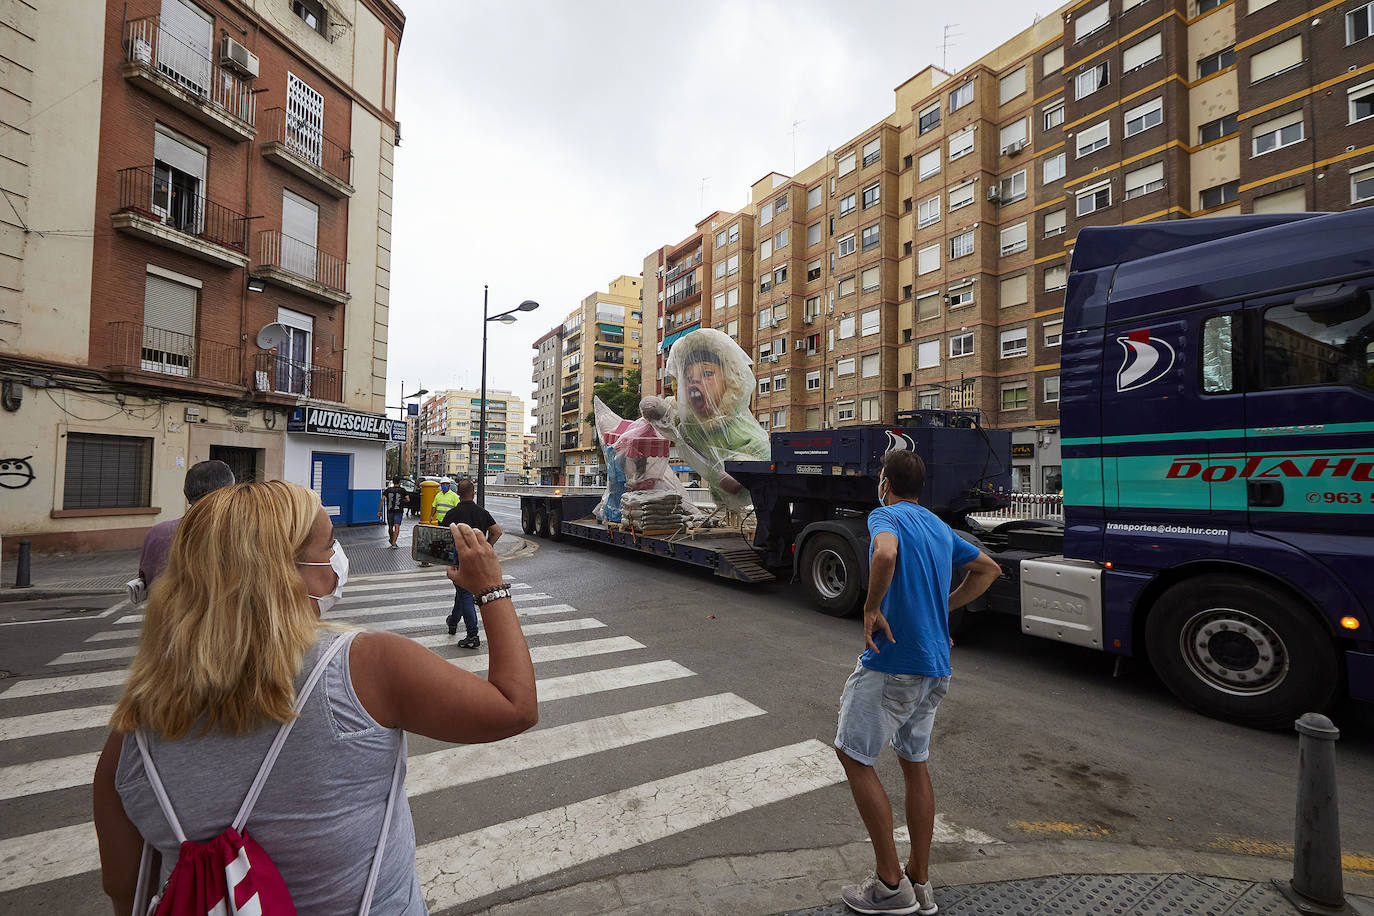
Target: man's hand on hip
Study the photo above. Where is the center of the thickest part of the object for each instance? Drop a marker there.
(874, 621)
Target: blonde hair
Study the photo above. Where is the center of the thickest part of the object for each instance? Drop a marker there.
(228, 623)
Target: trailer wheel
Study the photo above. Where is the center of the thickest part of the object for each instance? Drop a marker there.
(527, 517)
(1237, 650)
(830, 572)
(556, 523)
(541, 523)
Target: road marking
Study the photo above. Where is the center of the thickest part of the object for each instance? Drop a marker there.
(576, 685)
(458, 869)
(60, 720)
(47, 856)
(42, 686)
(532, 596)
(47, 775)
(945, 832)
(118, 606)
(533, 629)
(560, 652)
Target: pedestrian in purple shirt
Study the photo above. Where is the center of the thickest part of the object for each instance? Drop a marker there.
(203, 477)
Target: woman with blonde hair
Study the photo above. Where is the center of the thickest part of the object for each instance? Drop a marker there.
(231, 633)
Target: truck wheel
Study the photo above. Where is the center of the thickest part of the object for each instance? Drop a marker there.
(527, 518)
(1239, 651)
(556, 523)
(830, 572)
(541, 523)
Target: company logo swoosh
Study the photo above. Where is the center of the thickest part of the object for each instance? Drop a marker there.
(1143, 362)
(899, 442)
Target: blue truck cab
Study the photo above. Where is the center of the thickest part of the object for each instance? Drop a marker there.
(1217, 419)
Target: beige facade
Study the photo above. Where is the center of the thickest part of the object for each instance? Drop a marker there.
(457, 415)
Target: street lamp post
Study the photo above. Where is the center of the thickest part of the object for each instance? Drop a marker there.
(418, 431)
(506, 317)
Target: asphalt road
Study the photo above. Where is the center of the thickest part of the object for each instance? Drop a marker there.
(1034, 740)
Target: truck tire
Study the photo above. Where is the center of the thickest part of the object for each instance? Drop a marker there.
(556, 523)
(527, 517)
(541, 522)
(1241, 651)
(830, 572)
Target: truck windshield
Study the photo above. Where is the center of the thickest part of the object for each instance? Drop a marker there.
(1332, 346)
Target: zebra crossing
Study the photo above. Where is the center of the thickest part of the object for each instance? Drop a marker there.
(602, 692)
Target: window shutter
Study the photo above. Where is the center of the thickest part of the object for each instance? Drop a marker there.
(107, 472)
(304, 119)
(184, 40)
(180, 156)
(1142, 52)
(1013, 290)
(1279, 57)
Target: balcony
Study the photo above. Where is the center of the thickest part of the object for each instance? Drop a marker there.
(568, 442)
(176, 359)
(300, 266)
(176, 214)
(682, 267)
(569, 406)
(303, 150)
(276, 378)
(690, 291)
(610, 357)
(571, 386)
(165, 65)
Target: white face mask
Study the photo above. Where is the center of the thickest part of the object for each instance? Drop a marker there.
(882, 500)
(338, 560)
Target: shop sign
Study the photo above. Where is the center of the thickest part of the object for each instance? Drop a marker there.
(345, 424)
(1025, 450)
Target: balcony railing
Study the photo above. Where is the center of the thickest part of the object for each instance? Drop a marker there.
(307, 142)
(153, 195)
(610, 356)
(571, 386)
(273, 374)
(682, 267)
(276, 249)
(149, 43)
(681, 295)
(150, 349)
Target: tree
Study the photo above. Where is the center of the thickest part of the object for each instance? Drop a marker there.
(621, 395)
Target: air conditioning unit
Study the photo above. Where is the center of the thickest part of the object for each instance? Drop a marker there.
(1011, 149)
(774, 323)
(994, 194)
(809, 319)
(236, 57)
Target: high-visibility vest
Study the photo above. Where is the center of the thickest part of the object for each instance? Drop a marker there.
(442, 503)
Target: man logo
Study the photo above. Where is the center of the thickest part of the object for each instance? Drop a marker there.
(1144, 362)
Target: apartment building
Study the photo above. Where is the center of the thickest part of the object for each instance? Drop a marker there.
(210, 183)
(451, 424)
(923, 262)
(547, 378)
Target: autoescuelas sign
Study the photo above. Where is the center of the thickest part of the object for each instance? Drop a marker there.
(343, 423)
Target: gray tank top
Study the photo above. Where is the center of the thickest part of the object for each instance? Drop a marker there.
(320, 813)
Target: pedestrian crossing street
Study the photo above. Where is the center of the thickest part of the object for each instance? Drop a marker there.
(601, 692)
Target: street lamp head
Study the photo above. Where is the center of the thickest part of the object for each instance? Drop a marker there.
(505, 319)
(528, 305)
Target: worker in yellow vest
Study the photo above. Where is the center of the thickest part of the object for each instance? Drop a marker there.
(444, 500)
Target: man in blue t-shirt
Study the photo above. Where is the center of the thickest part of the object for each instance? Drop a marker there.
(904, 673)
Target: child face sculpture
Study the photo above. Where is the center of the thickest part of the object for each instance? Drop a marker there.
(705, 388)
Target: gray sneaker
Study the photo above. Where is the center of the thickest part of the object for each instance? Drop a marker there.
(925, 896)
(873, 896)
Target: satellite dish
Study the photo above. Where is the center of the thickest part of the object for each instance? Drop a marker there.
(272, 335)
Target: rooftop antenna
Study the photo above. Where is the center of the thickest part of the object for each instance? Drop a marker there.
(796, 125)
(703, 195)
(946, 44)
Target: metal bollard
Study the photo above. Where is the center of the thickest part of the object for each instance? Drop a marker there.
(1317, 835)
(21, 572)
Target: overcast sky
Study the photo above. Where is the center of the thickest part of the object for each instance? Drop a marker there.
(549, 145)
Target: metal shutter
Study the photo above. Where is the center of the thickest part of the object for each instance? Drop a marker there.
(184, 41)
(304, 118)
(107, 472)
(300, 221)
(169, 326)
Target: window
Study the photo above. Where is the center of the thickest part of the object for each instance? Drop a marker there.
(720, 239)
(1294, 200)
(1012, 291)
(1053, 168)
(961, 96)
(107, 472)
(780, 204)
(169, 326)
(1307, 345)
(869, 279)
(765, 319)
(846, 205)
(732, 297)
(1056, 277)
(1144, 181)
(961, 143)
(1361, 101)
(765, 249)
(928, 305)
(780, 277)
(813, 197)
(1015, 397)
(718, 302)
(1054, 114)
(928, 164)
(779, 416)
(1013, 136)
(1276, 60)
(869, 237)
(868, 322)
(845, 246)
(870, 195)
(929, 119)
(961, 244)
(958, 298)
(1215, 130)
(765, 386)
(928, 354)
(1359, 24)
(1142, 53)
(846, 327)
(1013, 187)
(844, 367)
(1276, 134)
(1090, 80)
(1218, 195)
(872, 150)
(1143, 117)
(1052, 62)
(311, 13)
(1216, 359)
(1362, 184)
(813, 380)
(928, 213)
(928, 400)
(961, 345)
(1214, 63)
(813, 234)
(928, 259)
(961, 195)
(732, 328)
(869, 366)
(1013, 239)
(845, 411)
(1094, 199)
(844, 164)
(1205, 5)
(1090, 21)
(1011, 85)
(1093, 138)
(1013, 343)
(300, 220)
(813, 306)
(1053, 330)
(1055, 221)
(780, 240)
(813, 270)
(732, 265)
(178, 180)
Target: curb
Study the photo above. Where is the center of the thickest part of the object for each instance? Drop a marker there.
(11, 595)
(770, 883)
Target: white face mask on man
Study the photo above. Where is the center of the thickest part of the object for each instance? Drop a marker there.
(338, 560)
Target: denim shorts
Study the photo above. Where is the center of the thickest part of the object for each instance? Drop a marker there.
(878, 708)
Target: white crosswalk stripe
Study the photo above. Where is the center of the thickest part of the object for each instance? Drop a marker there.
(345, 607)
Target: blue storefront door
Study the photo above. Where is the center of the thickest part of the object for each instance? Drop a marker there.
(329, 480)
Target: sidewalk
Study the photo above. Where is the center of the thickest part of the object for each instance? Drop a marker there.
(1044, 877)
(60, 574)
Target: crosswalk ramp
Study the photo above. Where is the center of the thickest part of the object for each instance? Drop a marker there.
(603, 695)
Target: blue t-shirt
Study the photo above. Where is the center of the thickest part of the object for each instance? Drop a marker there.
(917, 602)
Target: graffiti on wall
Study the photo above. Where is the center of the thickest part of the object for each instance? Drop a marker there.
(16, 473)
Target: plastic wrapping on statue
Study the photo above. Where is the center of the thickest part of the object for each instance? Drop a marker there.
(636, 462)
(709, 418)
